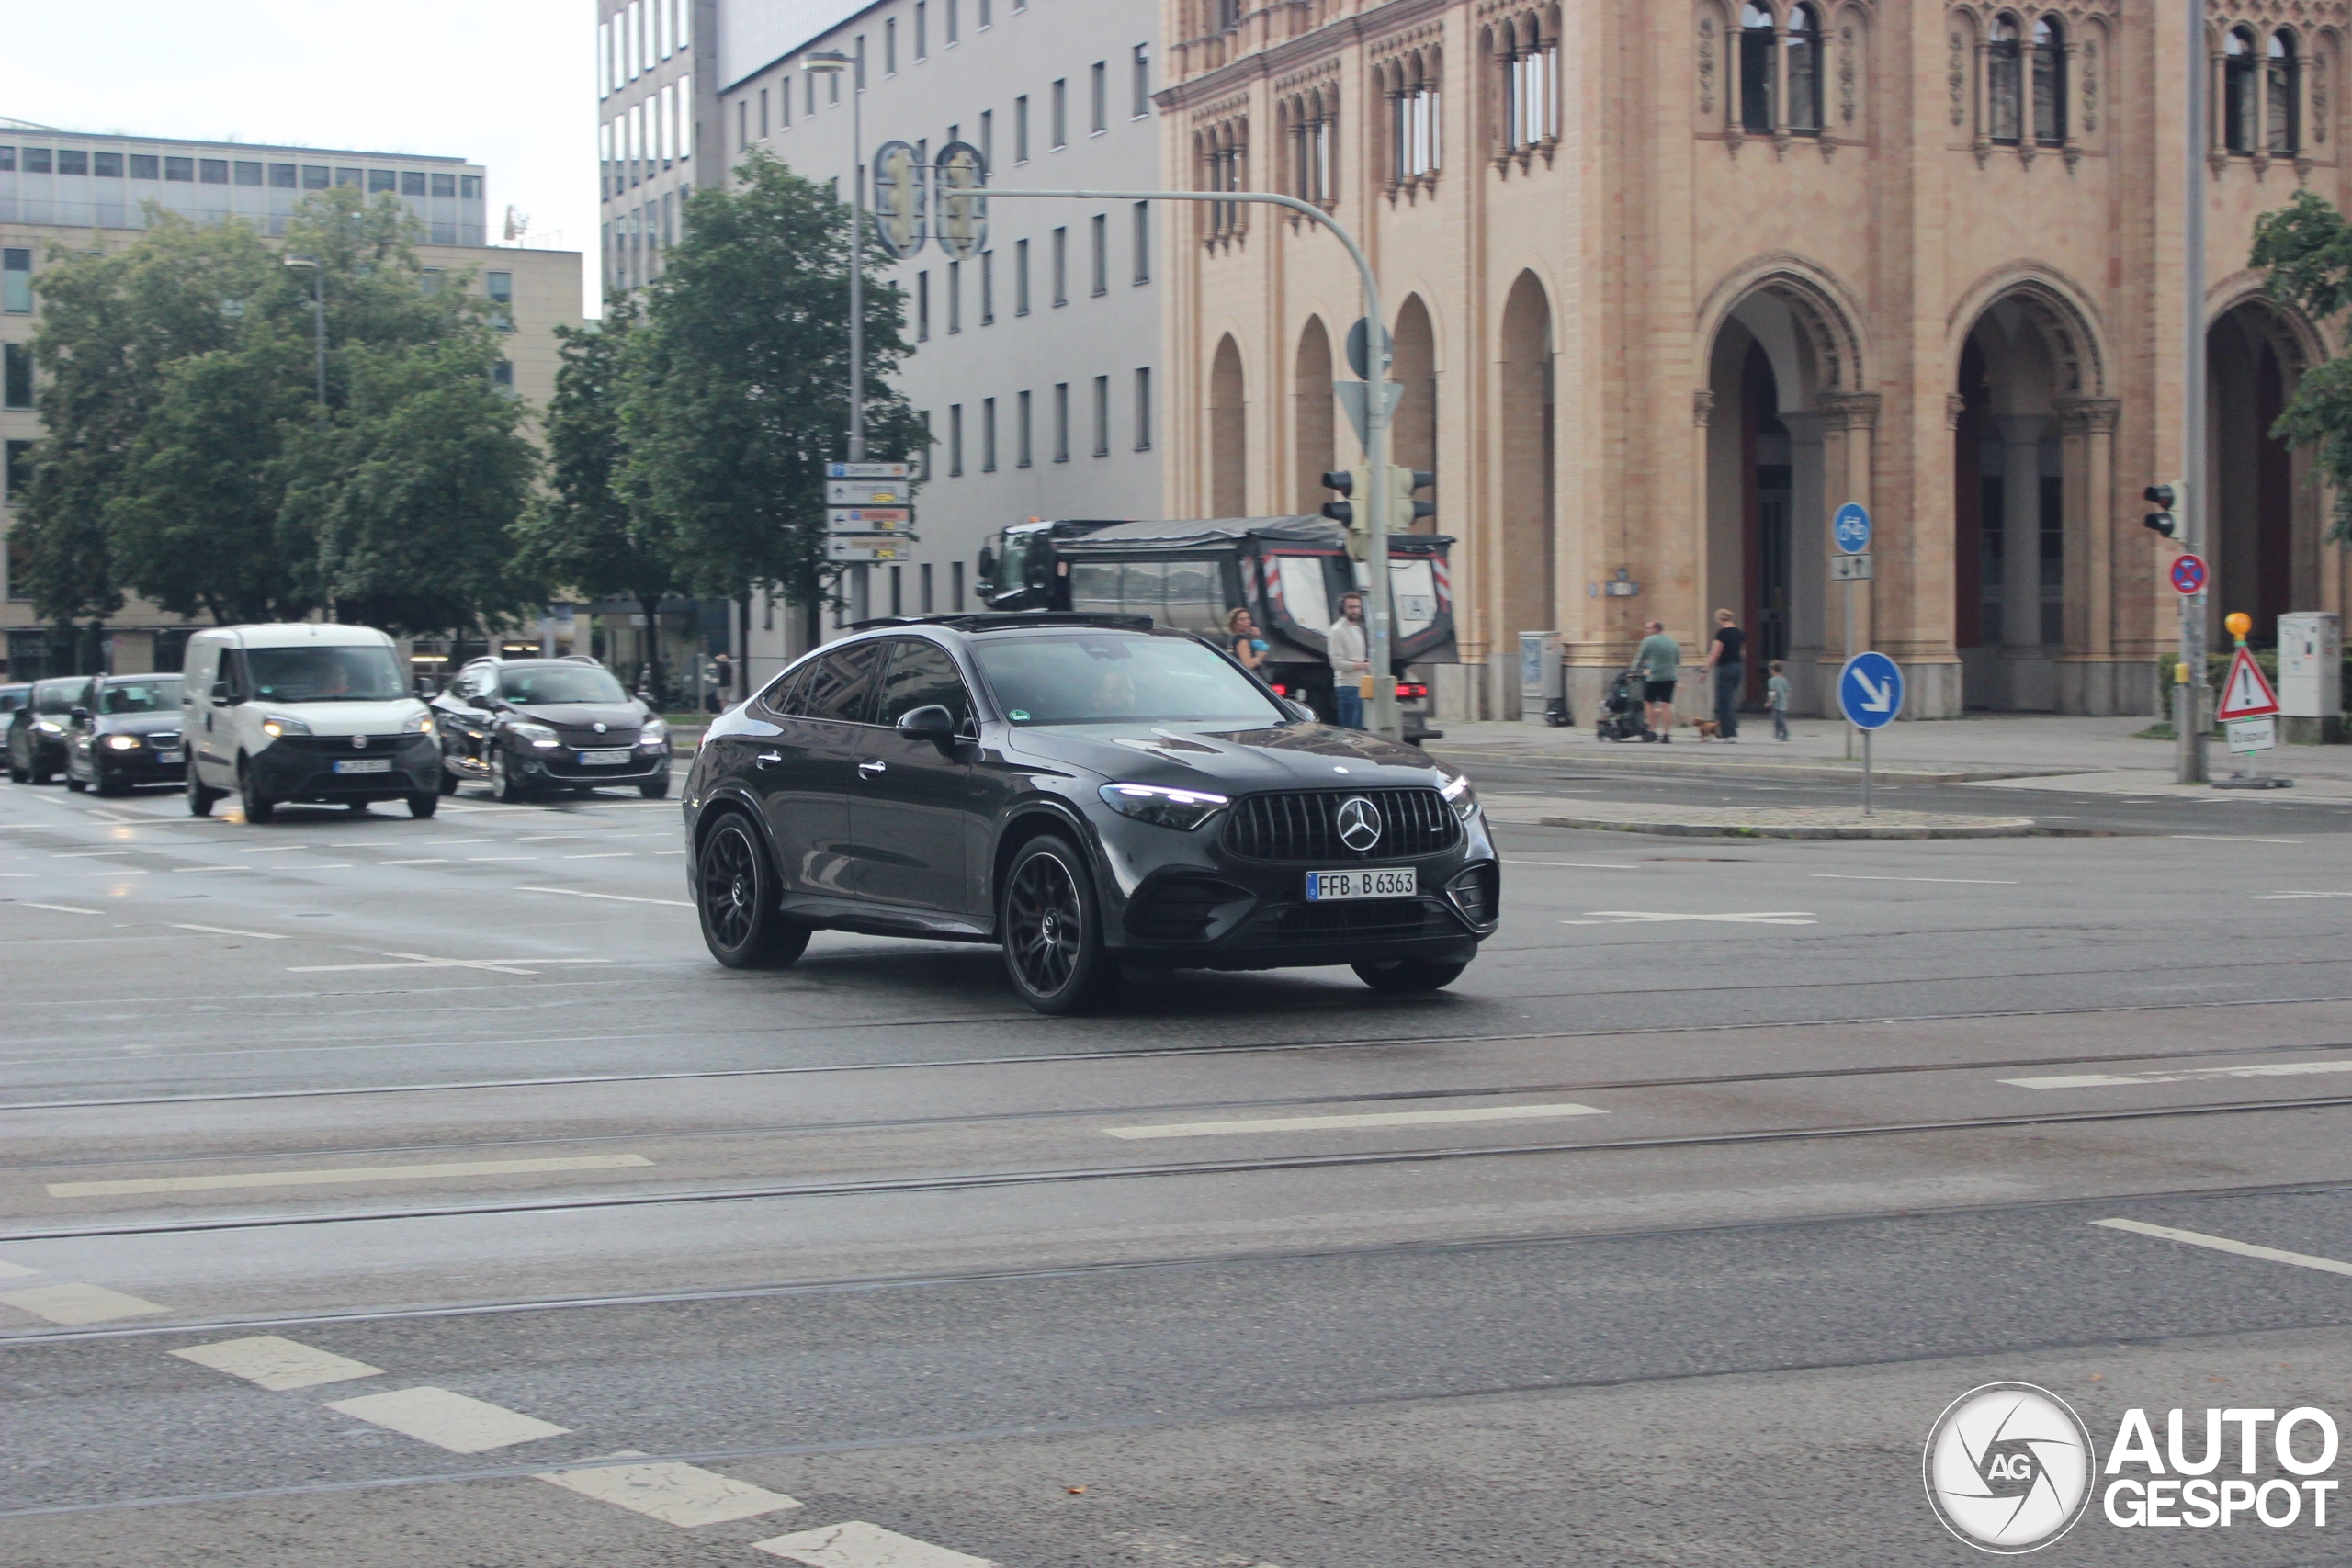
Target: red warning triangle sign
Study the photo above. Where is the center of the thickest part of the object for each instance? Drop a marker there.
(2246, 694)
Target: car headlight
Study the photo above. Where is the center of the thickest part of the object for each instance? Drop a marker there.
(278, 724)
(49, 727)
(419, 724)
(1460, 796)
(655, 733)
(123, 742)
(537, 734)
(1180, 808)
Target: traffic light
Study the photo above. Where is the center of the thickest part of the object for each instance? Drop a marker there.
(2162, 497)
(1356, 482)
(1406, 511)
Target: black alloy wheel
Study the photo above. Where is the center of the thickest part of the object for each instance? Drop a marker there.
(259, 808)
(1052, 933)
(200, 800)
(504, 784)
(735, 897)
(1406, 975)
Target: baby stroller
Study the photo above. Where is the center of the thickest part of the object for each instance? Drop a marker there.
(1623, 718)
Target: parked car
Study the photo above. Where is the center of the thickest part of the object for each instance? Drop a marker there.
(315, 713)
(127, 733)
(37, 731)
(13, 697)
(1087, 792)
(525, 727)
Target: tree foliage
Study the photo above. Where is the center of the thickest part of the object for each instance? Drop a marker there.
(2307, 247)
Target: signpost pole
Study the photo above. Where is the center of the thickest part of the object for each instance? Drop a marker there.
(1850, 658)
(1867, 809)
(2189, 700)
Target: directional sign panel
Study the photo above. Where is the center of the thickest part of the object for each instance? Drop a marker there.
(865, 492)
(2187, 575)
(1852, 528)
(869, 470)
(867, 547)
(869, 520)
(1870, 691)
(1849, 569)
(2246, 694)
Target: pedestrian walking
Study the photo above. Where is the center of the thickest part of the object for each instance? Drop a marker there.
(1776, 697)
(1660, 659)
(1727, 664)
(1351, 654)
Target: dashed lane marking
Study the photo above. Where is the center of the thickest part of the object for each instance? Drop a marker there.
(428, 862)
(857, 1544)
(229, 930)
(1968, 881)
(1579, 864)
(74, 1305)
(1640, 917)
(61, 908)
(425, 960)
(1361, 1119)
(2227, 838)
(2180, 1074)
(681, 1495)
(15, 1270)
(2223, 1244)
(268, 1361)
(615, 897)
(2300, 894)
(447, 1420)
(606, 854)
(446, 1170)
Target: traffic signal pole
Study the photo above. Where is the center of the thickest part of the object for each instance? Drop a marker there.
(2188, 708)
(1378, 620)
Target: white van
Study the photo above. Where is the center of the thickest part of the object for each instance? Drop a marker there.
(304, 713)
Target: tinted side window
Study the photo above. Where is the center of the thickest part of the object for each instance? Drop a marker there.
(838, 683)
(783, 695)
(922, 674)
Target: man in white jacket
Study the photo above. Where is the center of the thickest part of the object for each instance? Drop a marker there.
(1350, 656)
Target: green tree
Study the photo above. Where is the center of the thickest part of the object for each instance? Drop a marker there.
(738, 385)
(2307, 246)
(582, 532)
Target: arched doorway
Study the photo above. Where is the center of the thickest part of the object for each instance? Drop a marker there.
(1530, 559)
(2262, 512)
(1315, 447)
(1413, 367)
(1228, 434)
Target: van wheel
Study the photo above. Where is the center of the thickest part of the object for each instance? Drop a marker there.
(259, 808)
(423, 804)
(735, 895)
(200, 800)
(1052, 930)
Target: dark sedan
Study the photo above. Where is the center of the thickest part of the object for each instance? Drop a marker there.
(527, 726)
(37, 731)
(1087, 792)
(126, 734)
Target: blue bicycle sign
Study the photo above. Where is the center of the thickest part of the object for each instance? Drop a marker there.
(1852, 528)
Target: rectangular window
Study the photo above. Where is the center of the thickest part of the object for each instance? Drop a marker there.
(411, 182)
(955, 441)
(1101, 103)
(956, 583)
(213, 171)
(1021, 431)
(1101, 416)
(898, 591)
(106, 165)
(1100, 227)
(1061, 126)
(501, 289)
(248, 173)
(383, 180)
(1021, 128)
(763, 113)
(283, 176)
(1143, 408)
(743, 125)
(179, 170)
(605, 58)
(783, 101)
(16, 375)
(922, 307)
(987, 289)
(890, 46)
(16, 467)
(1061, 267)
(1062, 422)
(74, 161)
(145, 166)
(860, 61)
(16, 281)
(1143, 241)
(1020, 279)
(661, 29)
(7, 160)
(987, 11)
(37, 161)
(502, 375)
(1142, 80)
(468, 187)
(314, 175)
(954, 297)
(988, 137)
(445, 185)
(954, 23)
(930, 439)
(923, 46)
(924, 570)
(987, 431)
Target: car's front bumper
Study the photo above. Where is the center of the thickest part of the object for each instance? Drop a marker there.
(302, 768)
(561, 766)
(143, 765)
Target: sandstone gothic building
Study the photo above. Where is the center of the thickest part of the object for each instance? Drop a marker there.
(1670, 279)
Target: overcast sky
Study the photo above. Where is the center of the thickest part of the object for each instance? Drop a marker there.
(507, 83)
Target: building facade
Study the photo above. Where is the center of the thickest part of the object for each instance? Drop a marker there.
(656, 69)
(64, 190)
(1670, 283)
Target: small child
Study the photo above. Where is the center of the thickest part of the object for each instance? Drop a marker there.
(1776, 697)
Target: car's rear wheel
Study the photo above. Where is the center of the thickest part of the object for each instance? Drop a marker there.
(259, 808)
(1052, 928)
(1410, 974)
(735, 897)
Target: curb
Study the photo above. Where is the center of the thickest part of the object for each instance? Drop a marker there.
(1811, 772)
(1986, 828)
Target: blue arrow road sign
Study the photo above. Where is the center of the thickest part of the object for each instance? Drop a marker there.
(1870, 691)
(1852, 528)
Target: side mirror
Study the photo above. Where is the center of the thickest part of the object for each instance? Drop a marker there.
(1299, 711)
(933, 724)
(80, 716)
(220, 691)
(985, 578)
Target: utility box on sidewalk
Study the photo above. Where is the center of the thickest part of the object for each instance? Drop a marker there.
(1542, 681)
(2311, 677)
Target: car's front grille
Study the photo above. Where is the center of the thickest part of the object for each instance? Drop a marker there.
(1306, 825)
(341, 745)
(1345, 922)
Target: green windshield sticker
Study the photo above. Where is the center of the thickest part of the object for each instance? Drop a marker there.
(1020, 716)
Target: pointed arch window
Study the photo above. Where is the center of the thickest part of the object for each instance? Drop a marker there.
(1756, 69)
(2049, 83)
(2237, 91)
(2282, 97)
(2004, 81)
(1805, 70)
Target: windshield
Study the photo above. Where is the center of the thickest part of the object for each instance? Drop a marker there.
(13, 697)
(58, 697)
(140, 696)
(1109, 678)
(532, 684)
(361, 673)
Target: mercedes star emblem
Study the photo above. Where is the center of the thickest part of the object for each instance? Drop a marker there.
(1359, 823)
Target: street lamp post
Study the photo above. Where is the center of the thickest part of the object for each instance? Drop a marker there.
(318, 322)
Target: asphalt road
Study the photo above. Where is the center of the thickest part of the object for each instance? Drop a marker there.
(361, 1173)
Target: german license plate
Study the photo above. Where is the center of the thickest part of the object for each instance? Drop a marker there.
(171, 756)
(1334, 886)
(365, 765)
(602, 759)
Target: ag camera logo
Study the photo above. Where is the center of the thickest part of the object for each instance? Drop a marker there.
(2009, 1468)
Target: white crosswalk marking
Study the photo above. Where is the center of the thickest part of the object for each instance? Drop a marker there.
(2223, 1244)
(268, 1361)
(681, 1494)
(447, 1420)
(860, 1545)
(1637, 916)
(76, 1305)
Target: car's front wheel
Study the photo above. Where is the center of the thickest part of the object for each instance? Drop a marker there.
(200, 800)
(1410, 974)
(259, 808)
(504, 784)
(423, 804)
(1052, 928)
(655, 789)
(736, 896)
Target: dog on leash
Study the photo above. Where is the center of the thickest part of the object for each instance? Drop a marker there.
(1707, 727)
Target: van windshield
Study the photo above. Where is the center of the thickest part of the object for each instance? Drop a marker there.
(326, 674)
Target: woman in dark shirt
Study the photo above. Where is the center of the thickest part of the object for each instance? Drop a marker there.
(1726, 661)
(1246, 644)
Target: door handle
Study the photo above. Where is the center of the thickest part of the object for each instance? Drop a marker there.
(771, 757)
(868, 770)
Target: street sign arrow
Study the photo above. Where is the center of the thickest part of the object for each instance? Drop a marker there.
(1869, 690)
(2246, 694)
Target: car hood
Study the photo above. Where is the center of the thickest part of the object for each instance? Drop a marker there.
(1226, 760)
(617, 717)
(349, 719)
(135, 723)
